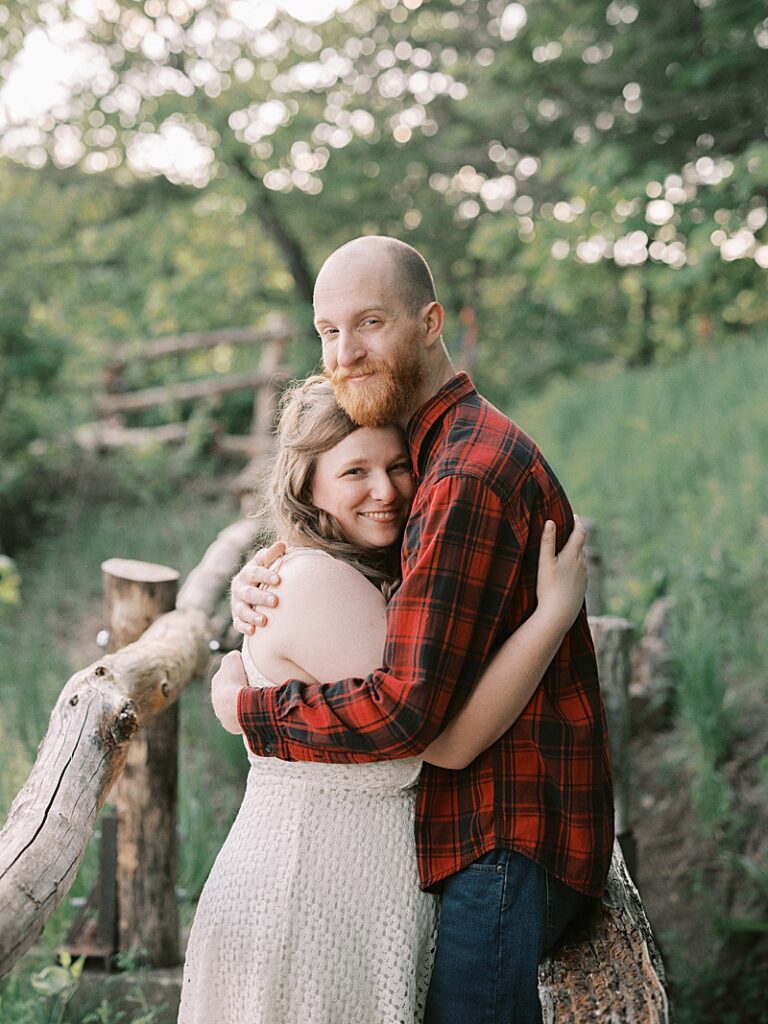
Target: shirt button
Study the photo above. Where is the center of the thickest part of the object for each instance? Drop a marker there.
(267, 748)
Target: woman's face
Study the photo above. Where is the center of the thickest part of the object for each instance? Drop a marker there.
(365, 482)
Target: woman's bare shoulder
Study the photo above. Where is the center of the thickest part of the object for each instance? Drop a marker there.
(329, 620)
(309, 572)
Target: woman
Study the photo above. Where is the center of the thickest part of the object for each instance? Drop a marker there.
(313, 913)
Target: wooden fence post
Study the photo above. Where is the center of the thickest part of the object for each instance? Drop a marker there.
(595, 569)
(613, 639)
(136, 593)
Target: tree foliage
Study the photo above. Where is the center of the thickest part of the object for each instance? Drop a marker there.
(588, 180)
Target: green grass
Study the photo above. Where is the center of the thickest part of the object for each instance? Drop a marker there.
(670, 462)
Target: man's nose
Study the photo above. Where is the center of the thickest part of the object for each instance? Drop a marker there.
(349, 349)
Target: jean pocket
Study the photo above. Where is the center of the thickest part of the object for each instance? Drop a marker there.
(479, 868)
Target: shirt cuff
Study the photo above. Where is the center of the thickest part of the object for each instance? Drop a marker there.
(256, 717)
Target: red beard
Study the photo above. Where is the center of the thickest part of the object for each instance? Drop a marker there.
(389, 394)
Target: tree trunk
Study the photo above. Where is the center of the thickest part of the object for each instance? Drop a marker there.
(287, 244)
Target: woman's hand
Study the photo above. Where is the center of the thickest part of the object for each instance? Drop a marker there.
(249, 589)
(225, 686)
(561, 583)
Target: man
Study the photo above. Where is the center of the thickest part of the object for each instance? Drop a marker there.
(521, 838)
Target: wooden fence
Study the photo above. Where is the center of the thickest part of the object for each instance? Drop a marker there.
(118, 401)
(105, 718)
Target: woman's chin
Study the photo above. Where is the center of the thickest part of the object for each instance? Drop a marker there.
(380, 536)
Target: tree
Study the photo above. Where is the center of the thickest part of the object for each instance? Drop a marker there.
(605, 167)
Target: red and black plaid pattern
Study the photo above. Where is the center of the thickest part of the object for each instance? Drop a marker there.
(469, 556)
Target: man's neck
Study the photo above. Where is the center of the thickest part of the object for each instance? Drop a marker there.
(437, 375)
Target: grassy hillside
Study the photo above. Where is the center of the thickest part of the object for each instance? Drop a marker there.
(670, 461)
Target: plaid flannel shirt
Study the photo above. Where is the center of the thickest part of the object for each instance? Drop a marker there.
(469, 561)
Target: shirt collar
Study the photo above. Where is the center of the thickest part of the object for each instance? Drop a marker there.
(429, 415)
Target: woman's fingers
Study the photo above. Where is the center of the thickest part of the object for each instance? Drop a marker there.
(547, 548)
(574, 546)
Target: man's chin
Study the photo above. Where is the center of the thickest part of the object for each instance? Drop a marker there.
(368, 404)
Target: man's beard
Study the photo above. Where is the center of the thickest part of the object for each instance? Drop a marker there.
(388, 395)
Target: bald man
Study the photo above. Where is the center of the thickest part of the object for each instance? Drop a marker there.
(520, 840)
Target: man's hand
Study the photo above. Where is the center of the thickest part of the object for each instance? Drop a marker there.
(249, 591)
(225, 686)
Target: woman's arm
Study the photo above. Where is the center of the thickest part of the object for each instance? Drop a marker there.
(511, 677)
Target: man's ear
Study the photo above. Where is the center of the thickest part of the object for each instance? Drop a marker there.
(434, 320)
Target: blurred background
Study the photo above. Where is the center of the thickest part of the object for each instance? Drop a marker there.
(589, 182)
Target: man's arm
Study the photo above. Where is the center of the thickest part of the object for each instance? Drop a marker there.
(443, 624)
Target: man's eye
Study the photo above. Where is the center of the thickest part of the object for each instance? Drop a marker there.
(401, 467)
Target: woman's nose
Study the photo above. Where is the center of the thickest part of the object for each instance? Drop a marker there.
(382, 488)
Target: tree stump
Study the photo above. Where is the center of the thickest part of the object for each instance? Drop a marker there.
(136, 593)
(613, 644)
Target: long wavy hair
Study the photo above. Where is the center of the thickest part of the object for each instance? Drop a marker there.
(311, 422)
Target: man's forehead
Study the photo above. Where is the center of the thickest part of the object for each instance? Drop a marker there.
(350, 304)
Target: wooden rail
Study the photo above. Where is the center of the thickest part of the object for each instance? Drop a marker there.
(118, 400)
(194, 341)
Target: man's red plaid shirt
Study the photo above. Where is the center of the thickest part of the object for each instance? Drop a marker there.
(469, 563)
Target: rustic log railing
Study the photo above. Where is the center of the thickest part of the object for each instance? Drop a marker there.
(609, 970)
(99, 711)
(117, 401)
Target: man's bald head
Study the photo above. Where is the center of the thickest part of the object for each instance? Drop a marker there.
(410, 274)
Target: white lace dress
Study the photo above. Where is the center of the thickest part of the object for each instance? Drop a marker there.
(312, 913)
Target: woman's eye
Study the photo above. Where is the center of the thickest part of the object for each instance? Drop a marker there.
(355, 471)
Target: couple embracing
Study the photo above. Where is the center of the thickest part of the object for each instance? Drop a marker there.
(429, 801)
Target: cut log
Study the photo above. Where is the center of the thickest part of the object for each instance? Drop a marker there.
(194, 341)
(82, 754)
(237, 444)
(135, 595)
(184, 391)
(609, 969)
(104, 434)
(613, 642)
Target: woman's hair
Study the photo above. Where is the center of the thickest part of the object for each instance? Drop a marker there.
(311, 422)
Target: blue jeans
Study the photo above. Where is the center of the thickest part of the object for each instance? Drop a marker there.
(497, 918)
